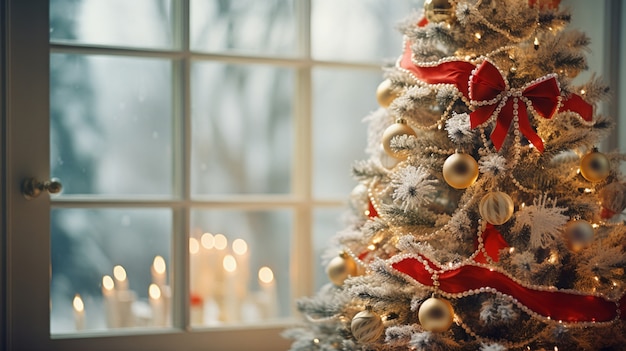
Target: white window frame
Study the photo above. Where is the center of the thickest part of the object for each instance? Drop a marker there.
(24, 133)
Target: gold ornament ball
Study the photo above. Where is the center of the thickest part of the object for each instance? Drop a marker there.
(340, 268)
(594, 166)
(578, 234)
(436, 314)
(460, 170)
(385, 93)
(396, 129)
(496, 207)
(439, 11)
(367, 326)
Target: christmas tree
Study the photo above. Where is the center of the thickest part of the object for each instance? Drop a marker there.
(485, 217)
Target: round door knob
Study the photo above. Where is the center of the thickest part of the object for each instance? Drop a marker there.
(31, 187)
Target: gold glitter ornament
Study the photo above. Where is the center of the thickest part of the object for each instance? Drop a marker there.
(437, 11)
(460, 170)
(595, 166)
(367, 326)
(496, 207)
(396, 129)
(436, 314)
(340, 268)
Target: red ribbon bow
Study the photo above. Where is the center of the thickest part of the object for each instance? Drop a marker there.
(560, 305)
(490, 95)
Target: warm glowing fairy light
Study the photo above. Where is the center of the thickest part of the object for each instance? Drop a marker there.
(159, 264)
(107, 283)
(266, 275)
(229, 263)
(220, 241)
(119, 273)
(240, 247)
(154, 291)
(78, 304)
(194, 246)
(207, 240)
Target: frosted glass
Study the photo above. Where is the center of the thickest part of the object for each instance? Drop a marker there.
(86, 244)
(239, 297)
(265, 27)
(136, 23)
(111, 125)
(342, 99)
(241, 129)
(358, 30)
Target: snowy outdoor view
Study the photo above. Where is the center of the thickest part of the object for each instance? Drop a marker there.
(118, 101)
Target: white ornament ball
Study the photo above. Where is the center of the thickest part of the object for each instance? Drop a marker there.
(578, 234)
(436, 314)
(460, 170)
(396, 129)
(496, 207)
(340, 268)
(367, 326)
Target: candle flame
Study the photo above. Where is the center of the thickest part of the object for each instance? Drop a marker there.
(220, 241)
(159, 264)
(194, 247)
(107, 282)
(119, 273)
(154, 291)
(78, 304)
(266, 275)
(240, 247)
(207, 240)
(230, 264)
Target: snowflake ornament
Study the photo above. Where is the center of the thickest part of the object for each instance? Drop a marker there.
(544, 219)
(412, 187)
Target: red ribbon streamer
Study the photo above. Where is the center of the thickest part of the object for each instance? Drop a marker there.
(493, 242)
(569, 307)
(485, 83)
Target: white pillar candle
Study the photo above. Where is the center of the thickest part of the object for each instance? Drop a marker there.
(207, 273)
(269, 299)
(157, 305)
(110, 302)
(159, 271)
(217, 266)
(79, 312)
(242, 255)
(231, 301)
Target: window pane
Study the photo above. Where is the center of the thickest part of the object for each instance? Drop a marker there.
(111, 124)
(241, 129)
(227, 292)
(136, 23)
(342, 99)
(258, 27)
(86, 245)
(358, 30)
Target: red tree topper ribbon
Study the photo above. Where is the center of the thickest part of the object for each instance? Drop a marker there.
(560, 305)
(490, 95)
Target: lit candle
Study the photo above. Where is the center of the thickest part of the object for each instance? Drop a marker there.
(268, 292)
(119, 273)
(219, 253)
(240, 250)
(157, 305)
(158, 271)
(231, 301)
(207, 273)
(110, 302)
(125, 297)
(79, 312)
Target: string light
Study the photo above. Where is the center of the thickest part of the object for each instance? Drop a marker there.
(478, 35)
(536, 43)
